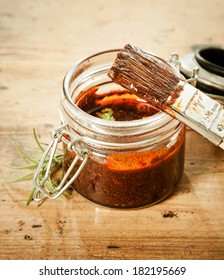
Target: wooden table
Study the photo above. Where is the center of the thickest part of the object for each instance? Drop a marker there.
(40, 40)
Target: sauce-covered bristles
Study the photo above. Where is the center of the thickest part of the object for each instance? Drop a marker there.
(148, 76)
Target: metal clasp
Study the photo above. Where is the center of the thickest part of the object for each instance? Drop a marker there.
(41, 175)
(174, 59)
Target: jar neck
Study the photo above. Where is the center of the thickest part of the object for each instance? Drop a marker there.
(92, 71)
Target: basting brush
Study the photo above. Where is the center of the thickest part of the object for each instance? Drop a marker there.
(159, 83)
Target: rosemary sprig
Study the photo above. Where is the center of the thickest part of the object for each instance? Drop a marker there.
(32, 161)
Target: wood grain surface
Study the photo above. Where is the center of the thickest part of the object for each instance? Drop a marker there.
(39, 42)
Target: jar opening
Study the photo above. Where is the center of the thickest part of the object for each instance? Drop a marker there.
(90, 74)
(115, 105)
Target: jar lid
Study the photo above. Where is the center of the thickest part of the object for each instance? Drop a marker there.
(210, 62)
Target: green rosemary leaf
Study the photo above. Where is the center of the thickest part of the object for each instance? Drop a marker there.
(41, 202)
(37, 141)
(20, 167)
(25, 156)
(19, 179)
(30, 198)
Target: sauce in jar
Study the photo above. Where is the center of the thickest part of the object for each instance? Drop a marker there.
(115, 105)
(134, 177)
(119, 151)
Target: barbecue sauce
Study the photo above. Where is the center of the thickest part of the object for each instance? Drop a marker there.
(127, 179)
(116, 105)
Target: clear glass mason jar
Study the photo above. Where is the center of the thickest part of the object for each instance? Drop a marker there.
(119, 164)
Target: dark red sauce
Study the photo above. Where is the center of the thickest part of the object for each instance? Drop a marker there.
(123, 105)
(127, 180)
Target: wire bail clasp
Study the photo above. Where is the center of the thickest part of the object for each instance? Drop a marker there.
(41, 176)
(174, 59)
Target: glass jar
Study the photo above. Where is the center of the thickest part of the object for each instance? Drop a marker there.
(119, 164)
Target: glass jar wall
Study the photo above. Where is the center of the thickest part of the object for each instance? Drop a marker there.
(135, 154)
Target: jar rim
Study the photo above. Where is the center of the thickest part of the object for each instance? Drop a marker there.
(159, 118)
(99, 133)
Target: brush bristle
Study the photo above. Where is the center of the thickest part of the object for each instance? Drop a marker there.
(148, 76)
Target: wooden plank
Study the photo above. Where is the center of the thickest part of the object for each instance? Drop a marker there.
(39, 43)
